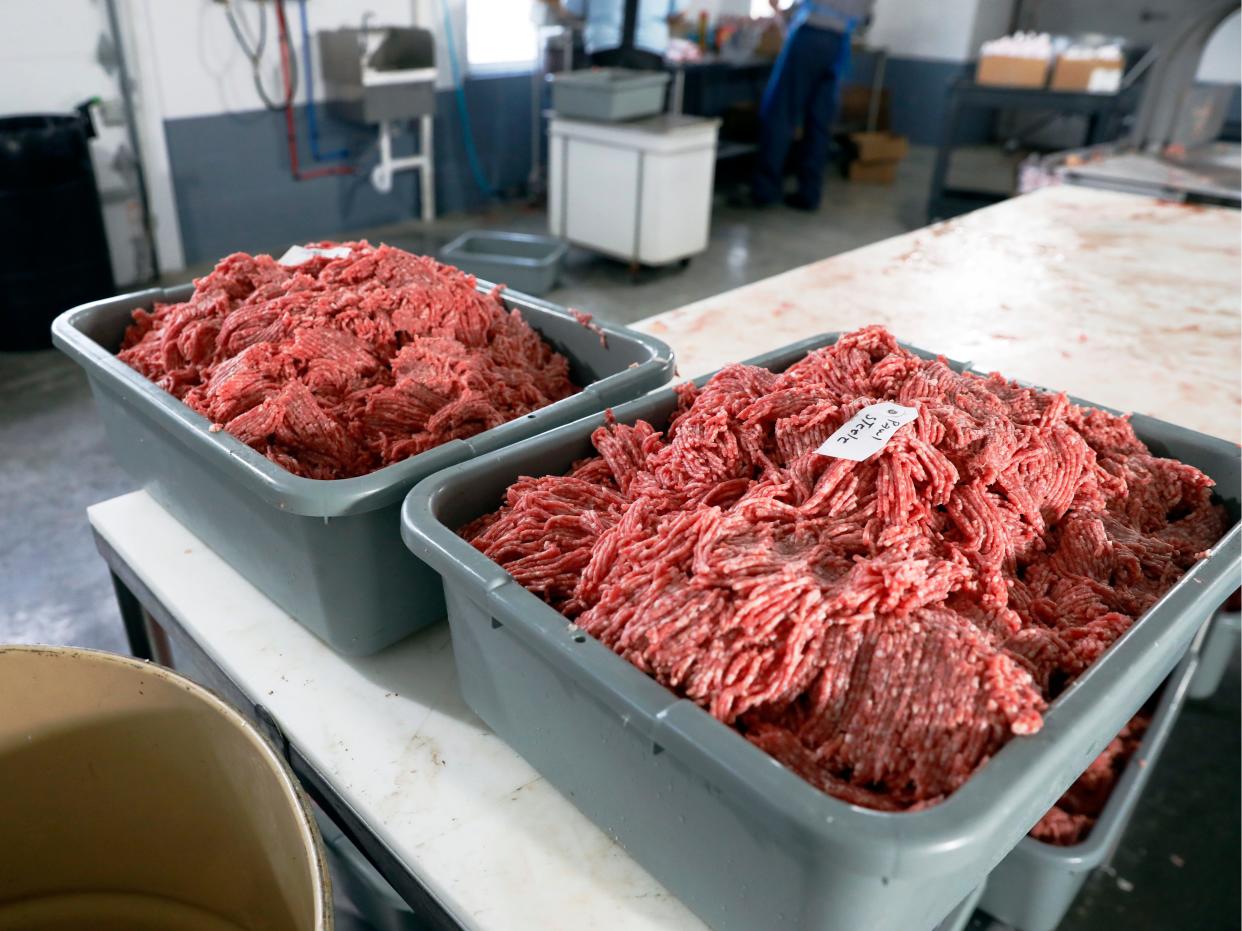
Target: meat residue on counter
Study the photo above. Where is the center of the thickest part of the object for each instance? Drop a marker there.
(339, 366)
(880, 627)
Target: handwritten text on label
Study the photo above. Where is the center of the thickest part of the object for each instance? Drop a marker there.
(867, 432)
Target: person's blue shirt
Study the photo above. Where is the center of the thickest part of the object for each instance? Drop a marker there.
(605, 20)
(837, 15)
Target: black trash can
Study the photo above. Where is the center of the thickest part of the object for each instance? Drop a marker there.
(53, 250)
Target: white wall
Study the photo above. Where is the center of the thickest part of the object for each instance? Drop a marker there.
(918, 29)
(47, 55)
(992, 20)
(717, 8)
(1222, 59)
(186, 63)
(201, 70)
(48, 64)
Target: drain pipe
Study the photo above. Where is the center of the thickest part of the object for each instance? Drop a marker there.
(381, 174)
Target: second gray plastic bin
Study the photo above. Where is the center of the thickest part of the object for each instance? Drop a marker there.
(1035, 885)
(740, 839)
(608, 94)
(522, 261)
(327, 552)
(1221, 646)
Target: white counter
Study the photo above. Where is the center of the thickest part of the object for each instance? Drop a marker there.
(1115, 298)
(492, 842)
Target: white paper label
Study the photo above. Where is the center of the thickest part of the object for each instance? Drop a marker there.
(867, 432)
(296, 255)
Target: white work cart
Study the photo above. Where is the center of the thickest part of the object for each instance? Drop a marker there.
(639, 191)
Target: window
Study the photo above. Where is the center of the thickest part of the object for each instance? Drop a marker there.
(500, 35)
(761, 8)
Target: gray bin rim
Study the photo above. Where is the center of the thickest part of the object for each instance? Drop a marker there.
(327, 497)
(940, 840)
(600, 78)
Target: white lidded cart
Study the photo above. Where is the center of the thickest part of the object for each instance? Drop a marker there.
(639, 191)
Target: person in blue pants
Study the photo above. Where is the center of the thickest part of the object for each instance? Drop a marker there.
(803, 92)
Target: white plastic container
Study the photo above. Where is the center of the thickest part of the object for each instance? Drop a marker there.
(639, 191)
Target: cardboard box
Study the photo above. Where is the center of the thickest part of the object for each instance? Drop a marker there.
(770, 42)
(873, 172)
(1007, 71)
(856, 106)
(1077, 74)
(879, 147)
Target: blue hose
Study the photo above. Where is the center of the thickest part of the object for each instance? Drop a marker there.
(467, 134)
(312, 122)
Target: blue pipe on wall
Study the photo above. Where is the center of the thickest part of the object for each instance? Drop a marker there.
(312, 122)
(467, 134)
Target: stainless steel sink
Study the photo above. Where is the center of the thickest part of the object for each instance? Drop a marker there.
(379, 73)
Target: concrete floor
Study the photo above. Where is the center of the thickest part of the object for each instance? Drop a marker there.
(54, 461)
(745, 245)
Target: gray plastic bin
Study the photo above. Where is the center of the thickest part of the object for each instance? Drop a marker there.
(1035, 885)
(608, 94)
(524, 262)
(741, 840)
(960, 917)
(1221, 646)
(358, 889)
(327, 552)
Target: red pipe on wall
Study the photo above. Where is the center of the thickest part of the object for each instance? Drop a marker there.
(291, 129)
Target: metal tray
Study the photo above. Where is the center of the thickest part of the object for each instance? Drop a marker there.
(743, 841)
(325, 551)
(1035, 885)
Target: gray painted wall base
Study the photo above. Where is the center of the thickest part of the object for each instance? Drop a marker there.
(234, 190)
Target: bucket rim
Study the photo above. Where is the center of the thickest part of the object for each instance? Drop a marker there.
(289, 785)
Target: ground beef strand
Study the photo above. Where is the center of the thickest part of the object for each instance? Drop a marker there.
(882, 627)
(340, 366)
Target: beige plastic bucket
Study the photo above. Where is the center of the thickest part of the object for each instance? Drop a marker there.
(131, 798)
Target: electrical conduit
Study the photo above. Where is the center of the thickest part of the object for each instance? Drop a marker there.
(312, 121)
(291, 130)
(467, 133)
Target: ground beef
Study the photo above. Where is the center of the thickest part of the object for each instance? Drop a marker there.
(880, 627)
(1072, 818)
(337, 367)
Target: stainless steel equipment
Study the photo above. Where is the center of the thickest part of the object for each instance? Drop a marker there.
(374, 74)
(1170, 152)
(385, 75)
